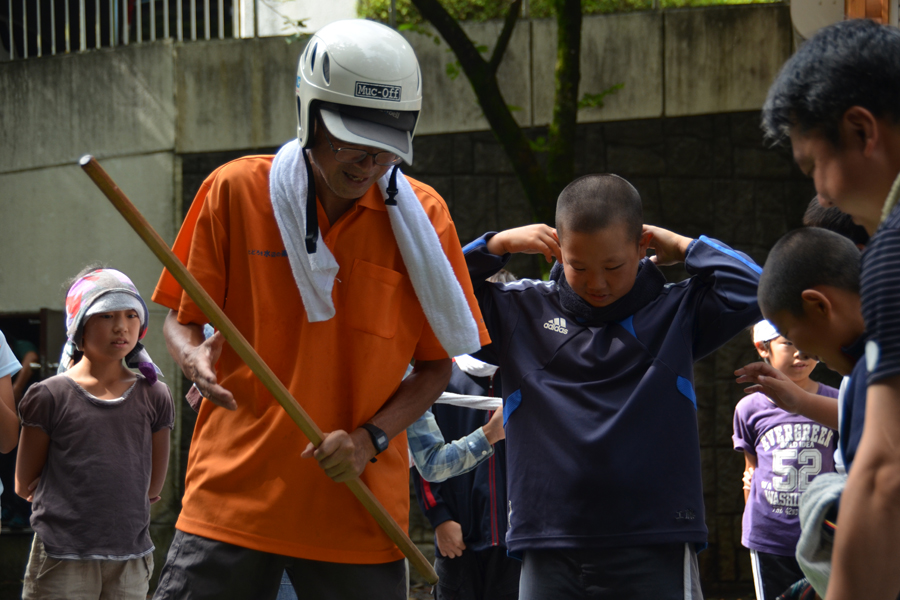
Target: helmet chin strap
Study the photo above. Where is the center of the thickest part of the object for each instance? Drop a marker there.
(391, 190)
(312, 216)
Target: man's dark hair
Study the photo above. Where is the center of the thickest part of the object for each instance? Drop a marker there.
(851, 63)
(595, 202)
(801, 260)
(833, 219)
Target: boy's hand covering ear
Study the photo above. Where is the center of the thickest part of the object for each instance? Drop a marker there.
(773, 383)
(531, 239)
(670, 247)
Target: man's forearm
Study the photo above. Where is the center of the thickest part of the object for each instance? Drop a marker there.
(866, 558)
(416, 394)
(180, 337)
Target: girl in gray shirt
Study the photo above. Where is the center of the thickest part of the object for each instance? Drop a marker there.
(94, 449)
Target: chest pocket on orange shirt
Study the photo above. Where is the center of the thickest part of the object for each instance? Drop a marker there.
(373, 299)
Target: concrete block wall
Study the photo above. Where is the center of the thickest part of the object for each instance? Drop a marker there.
(672, 63)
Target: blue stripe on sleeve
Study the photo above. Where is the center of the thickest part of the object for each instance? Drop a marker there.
(474, 245)
(511, 404)
(684, 386)
(731, 253)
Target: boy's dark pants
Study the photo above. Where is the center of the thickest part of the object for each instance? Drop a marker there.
(776, 573)
(658, 572)
(200, 568)
(478, 575)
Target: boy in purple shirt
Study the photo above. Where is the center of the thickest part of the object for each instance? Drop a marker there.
(784, 452)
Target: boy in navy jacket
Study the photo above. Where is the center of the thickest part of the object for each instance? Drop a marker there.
(603, 453)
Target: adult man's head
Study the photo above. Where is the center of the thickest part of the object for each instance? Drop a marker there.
(359, 93)
(838, 100)
(599, 220)
(809, 290)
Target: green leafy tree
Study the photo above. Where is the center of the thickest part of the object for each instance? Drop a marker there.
(541, 185)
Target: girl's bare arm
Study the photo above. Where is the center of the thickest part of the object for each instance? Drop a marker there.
(32, 457)
(160, 462)
(9, 421)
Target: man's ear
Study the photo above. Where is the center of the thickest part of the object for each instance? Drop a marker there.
(859, 128)
(816, 305)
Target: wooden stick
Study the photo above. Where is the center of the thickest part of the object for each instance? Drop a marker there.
(243, 348)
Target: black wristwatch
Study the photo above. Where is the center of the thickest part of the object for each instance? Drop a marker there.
(379, 439)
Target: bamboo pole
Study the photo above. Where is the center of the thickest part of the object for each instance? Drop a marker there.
(243, 348)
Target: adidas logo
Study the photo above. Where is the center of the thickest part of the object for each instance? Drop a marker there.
(558, 325)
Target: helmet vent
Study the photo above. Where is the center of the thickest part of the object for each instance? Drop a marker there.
(326, 68)
(312, 60)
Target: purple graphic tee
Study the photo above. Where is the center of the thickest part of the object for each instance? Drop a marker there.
(791, 450)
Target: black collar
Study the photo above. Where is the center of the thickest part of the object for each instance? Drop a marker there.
(856, 350)
(647, 286)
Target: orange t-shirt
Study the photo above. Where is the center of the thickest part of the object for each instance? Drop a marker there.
(246, 483)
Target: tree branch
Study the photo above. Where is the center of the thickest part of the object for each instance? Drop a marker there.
(561, 133)
(466, 53)
(483, 80)
(509, 24)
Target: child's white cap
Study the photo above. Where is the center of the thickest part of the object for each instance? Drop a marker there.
(763, 332)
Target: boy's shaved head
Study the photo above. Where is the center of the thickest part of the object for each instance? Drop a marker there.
(802, 260)
(595, 202)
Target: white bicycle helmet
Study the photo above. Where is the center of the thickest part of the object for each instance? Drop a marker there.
(363, 78)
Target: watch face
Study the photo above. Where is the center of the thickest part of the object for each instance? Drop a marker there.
(382, 442)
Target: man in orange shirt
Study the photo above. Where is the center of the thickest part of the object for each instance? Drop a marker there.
(339, 273)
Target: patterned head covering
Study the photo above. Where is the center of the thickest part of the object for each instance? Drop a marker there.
(105, 290)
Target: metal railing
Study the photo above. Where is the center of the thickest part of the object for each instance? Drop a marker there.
(38, 28)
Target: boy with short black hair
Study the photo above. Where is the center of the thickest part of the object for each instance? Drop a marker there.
(603, 457)
(821, 315)
(838, 99)
(809, 290)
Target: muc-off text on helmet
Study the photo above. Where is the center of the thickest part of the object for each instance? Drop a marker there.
(377, 91)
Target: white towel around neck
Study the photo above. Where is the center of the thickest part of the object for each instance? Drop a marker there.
(432, 276)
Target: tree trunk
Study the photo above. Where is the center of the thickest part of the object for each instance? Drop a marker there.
(482, 75)
(561, 136)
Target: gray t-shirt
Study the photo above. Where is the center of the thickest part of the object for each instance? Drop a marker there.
(91, 502)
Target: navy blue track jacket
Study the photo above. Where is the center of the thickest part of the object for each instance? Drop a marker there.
(601, 426)
(477, 499)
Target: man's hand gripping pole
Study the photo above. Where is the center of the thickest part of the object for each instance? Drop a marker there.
(243, 348)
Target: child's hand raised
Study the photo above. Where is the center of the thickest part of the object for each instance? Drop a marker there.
(531, 239)
(670, 247)
(773, 383)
